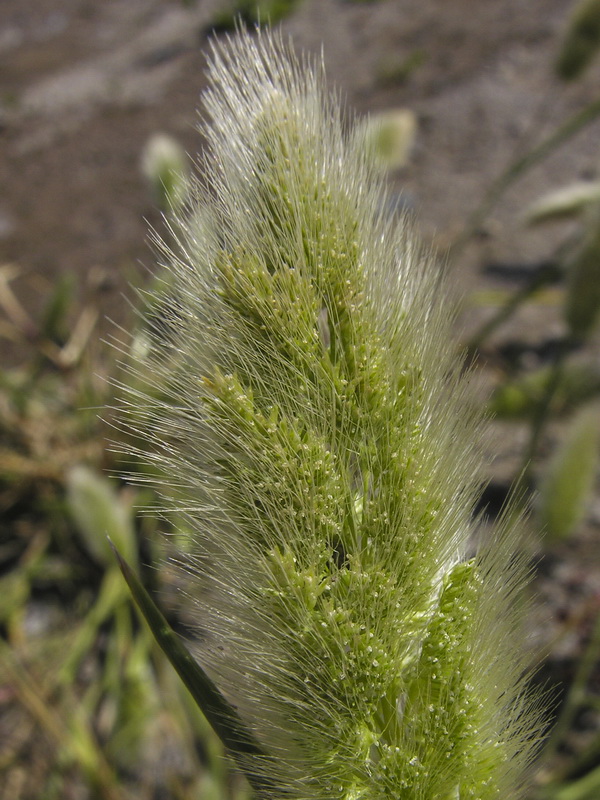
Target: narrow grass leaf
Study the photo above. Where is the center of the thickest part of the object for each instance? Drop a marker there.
(222, 716)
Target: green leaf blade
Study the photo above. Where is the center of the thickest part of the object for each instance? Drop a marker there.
(221, 715)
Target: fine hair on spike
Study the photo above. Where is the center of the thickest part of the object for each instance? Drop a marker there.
(301, 404)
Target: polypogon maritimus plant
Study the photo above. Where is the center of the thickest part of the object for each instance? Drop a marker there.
(308, 418)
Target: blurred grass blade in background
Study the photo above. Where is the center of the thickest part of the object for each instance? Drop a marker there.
(567, 201)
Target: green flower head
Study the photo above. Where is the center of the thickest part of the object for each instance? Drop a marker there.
(311, 423)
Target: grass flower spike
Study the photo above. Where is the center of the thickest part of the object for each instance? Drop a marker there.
(308, 417)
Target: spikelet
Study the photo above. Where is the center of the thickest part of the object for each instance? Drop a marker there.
(582, 303)
(569, 479)
(582, 40)
(306, 412)
(163, 165)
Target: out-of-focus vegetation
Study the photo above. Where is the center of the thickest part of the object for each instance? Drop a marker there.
(89, 707)
(251, 12)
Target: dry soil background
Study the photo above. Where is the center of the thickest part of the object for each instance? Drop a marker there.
(83, 85)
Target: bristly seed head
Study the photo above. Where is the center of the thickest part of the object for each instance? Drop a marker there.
(307, 416)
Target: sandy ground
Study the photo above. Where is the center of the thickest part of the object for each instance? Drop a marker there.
(84, 84)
